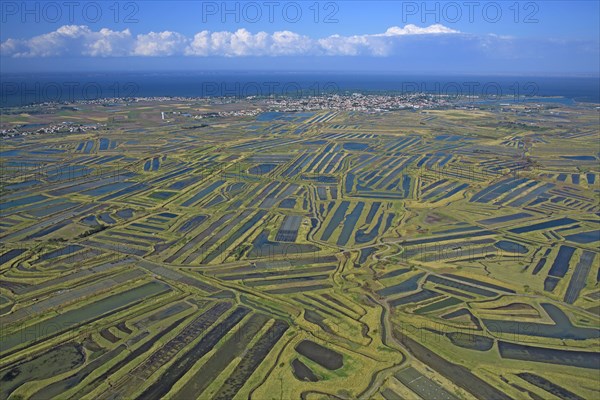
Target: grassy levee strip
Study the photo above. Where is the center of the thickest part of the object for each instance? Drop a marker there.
(562, 328)
(283, 281)
(89, 386)
(349, 224)
(161, 387)
(49, 221)
(547, 355)
(20, 202)
(79, 292)
(548, 386)
(422, 385)
(461, 286)
(216, 237)
(269, 274)
(251, 360)
(51, 363)
(220, 250)
(56, 389)
(389, 394)
(479, 283)
(72, 279)
(458, 374)
(543, 225)
(202, 193)
(73, 318)
(177, 276)
(296, 289)
(335, 220)
(199, 238)
(226, 353)
(136, 378)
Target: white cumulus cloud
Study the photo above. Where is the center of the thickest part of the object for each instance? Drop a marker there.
(165, 43)
(71, 40)
(243, 43)
(411, 29)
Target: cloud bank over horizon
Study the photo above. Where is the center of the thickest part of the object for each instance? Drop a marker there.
(80, 40)
(410, 48)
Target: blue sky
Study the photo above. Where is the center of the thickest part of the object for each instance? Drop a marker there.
(545, 37)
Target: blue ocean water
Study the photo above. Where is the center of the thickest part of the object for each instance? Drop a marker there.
(23, 89)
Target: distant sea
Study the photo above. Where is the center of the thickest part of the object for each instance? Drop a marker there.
(23, 89)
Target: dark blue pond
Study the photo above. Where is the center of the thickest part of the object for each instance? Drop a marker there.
(349, 224)
(355, 146)
(585, 237)
(580, 158)
(512, 247)
(125, 214)
(288, 203)
(104, 144)
(22, 201)
(562, 328)
(408, 285)
(543, 225)
(262, 169)
(561, 262)
(335, 220)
